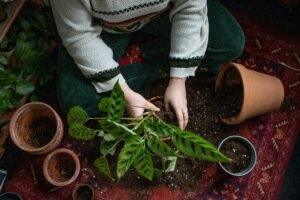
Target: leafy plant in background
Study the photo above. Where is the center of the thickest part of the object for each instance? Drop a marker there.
(141, 139)
(32, 58)
(31, 48)
(12, 87)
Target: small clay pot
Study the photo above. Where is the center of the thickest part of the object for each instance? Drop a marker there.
(262, 93)
(251, 149)
(36, 128)
(83, 192)
(61, 167)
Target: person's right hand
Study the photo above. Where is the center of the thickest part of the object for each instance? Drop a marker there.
(136, 103)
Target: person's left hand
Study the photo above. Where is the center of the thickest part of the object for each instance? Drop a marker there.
(175, 96)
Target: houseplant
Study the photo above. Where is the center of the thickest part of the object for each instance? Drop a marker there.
(36, 128)
(139, 138)
(244, 93)
(61, 167)
(13, 86)
(25, 48)
(241, 151)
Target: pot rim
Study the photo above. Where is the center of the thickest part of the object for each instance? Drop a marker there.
(253, 155)
(80, 185)
(46, 163)
(39, 150)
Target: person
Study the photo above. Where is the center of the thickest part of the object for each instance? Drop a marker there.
(180, 36)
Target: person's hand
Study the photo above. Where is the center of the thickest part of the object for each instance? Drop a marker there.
(175, 97)
(136, 103)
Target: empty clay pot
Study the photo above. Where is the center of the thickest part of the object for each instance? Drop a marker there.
(61, 167)
(83, 192)
(262, 93)
(36, 128)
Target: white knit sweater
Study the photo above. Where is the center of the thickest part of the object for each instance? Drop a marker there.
(82, 38)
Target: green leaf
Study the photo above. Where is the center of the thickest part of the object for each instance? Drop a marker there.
(116, 107)
(24, 87)
(102, 165)
(3, 60)
(109, 137)
(117, 130)
(127, 156)
(159, 129)
(79, 131)
(77, 115)
(158, 172)
(144, 164)
(104, 104)
(25, 24)
(171, 164)
(197, 147)
(160, 148)
(108, 147)
(34, 98)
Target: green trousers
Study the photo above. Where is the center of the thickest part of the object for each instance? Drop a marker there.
(226, 43)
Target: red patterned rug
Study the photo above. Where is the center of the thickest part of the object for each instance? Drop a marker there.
(273, 135)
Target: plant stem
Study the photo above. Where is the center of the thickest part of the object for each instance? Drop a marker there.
(145, 118)
(112, 147)
(123, 118)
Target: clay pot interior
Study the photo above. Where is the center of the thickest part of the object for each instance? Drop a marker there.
(83, 192)
(238, 145)
(36, 128)
(61, 167)
(230, 94)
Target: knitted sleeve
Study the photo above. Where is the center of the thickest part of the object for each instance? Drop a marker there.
(83, 42)
(189, 36)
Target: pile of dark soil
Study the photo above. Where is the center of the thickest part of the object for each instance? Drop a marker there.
(240, 154)
(42, 130)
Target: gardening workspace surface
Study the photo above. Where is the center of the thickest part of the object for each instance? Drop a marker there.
(273, 136)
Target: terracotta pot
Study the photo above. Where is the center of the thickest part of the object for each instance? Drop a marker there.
(83, 192)
(253, 156)
(61, 167)
(262, 93)
(36, 128)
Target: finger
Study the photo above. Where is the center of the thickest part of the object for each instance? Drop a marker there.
(151, 106)
(167, 106)
(179, 115)
(135, 112)
(185, 117)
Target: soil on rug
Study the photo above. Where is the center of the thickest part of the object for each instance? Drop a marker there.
(42, 130)
(239, 152)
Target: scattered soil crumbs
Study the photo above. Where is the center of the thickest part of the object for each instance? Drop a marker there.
(240, 154)
(42, 130)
